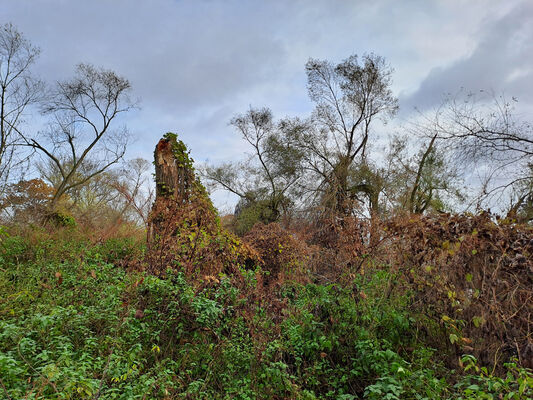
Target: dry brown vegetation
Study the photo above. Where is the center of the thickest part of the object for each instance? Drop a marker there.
(469, 276)
(184, 228)
(475, 275)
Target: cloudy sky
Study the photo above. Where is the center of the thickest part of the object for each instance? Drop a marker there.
(196, 63)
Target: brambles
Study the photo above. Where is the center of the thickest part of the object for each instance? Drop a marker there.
(475, 271)
(284, 255)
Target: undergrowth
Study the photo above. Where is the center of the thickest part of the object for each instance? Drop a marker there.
(76, 325)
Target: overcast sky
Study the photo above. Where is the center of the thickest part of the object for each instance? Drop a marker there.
(194, 63)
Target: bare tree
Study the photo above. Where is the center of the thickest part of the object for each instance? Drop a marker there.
(81, 141)
(134, 186)
(424, 180)
(18, 91)
(123, 193)
(271, 171)
(349, 97)
(485, 128)
(487, 136)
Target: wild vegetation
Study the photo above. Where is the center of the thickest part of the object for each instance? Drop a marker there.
(344, 273)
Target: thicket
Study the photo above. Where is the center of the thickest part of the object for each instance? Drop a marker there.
(81, 320)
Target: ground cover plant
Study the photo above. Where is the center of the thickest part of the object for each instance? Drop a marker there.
(77, 324)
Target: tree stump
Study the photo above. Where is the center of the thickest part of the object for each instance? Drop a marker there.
(184, 230)
(173, 169)
(178, 195)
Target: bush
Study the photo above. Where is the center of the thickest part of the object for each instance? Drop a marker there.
(282, 254)
(472, 276)
(517, 383)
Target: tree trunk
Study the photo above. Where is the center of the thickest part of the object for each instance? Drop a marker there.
(172, 177)
(414, 207)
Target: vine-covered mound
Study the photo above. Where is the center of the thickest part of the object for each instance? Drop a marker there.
(184, 228)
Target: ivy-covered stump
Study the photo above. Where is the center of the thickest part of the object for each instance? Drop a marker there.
(184, 227)
(174, 172)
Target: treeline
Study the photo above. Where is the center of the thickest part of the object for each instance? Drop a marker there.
(471, 153)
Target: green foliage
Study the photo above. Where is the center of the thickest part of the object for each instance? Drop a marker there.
(516, 384)
(252, 213)
(180, 151)
(184, 160)
(114, 249)
(348, 348)
(62, 219)
(3, 233)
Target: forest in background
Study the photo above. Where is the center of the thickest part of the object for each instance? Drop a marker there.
(356, 265)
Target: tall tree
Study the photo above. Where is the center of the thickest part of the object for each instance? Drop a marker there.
(266, 179)
(18, 91)
(81, 140)
(349, 97)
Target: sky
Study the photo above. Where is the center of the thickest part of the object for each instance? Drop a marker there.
(193, 64)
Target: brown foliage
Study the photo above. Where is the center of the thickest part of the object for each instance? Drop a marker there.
(184, 228)
(474, 275)
(283, 254)
(189, 237)
(340, 245)
(27, 200)
(471, 275)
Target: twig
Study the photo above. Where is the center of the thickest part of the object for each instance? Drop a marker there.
(37, 372)
(5, 390)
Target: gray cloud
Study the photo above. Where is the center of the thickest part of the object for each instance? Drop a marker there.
(502, 61)
(195, 63)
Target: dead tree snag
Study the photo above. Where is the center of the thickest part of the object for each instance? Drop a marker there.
(184, 229)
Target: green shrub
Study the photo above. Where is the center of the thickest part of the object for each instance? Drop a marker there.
(516, 384)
